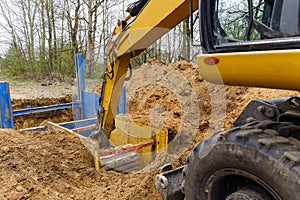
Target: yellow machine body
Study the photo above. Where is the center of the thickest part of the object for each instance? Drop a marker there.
(129, 132)
(271, 69)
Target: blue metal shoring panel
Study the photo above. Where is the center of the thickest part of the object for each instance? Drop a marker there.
(79, 65)
(122, 103)
(90, 105)
(6, 116)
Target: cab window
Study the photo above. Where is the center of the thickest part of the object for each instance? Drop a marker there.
(254, 22)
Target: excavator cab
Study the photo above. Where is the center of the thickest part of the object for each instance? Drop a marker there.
(231, 31)
(249, 25)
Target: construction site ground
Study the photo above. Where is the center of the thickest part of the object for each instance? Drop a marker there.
(56, 165)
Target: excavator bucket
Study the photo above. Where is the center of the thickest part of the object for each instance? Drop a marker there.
(132, 146)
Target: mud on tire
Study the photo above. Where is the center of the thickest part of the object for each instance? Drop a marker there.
(252, 161)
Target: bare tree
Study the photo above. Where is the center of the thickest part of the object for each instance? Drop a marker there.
(92, 26)
(9, 26)
(73, 22)
(42, 31)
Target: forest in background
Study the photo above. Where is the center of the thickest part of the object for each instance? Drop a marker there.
(39, 38)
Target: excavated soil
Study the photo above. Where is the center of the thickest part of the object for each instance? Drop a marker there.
(156, 97)
(41, 119)
(55, 165)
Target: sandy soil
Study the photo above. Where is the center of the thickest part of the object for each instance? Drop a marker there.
(55, 165)
(41, 119)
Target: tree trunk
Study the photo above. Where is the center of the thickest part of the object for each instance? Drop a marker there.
(43, 34)
(89, 47)
(186, 40)
(54, 53)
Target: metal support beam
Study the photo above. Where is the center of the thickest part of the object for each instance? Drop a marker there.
(42, 109)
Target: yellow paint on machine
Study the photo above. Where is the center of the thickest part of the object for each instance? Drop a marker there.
(158, 17)
(129, 132)
(271, 69)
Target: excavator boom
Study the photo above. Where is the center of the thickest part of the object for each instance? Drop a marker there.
(131, 38)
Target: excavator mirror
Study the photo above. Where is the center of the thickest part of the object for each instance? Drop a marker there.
(134, 8)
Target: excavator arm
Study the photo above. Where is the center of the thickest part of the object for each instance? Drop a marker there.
(129, 39)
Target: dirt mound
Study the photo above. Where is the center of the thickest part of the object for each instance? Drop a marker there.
(41, 119)
(159, 95)
(156, 97)
(153, 91)
(239, 97)
(55, 165)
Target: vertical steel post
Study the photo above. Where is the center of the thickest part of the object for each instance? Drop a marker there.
(6, 115)
(79, 64)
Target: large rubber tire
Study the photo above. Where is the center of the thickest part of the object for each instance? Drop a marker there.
(227, 162)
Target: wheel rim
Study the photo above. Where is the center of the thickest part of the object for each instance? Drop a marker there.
(236, 184)
(249, 192)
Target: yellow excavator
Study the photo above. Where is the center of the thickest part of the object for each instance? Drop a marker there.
(252, 43)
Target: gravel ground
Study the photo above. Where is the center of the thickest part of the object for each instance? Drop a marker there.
(27, 89)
